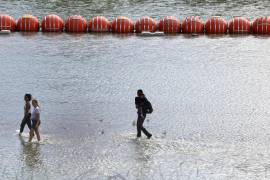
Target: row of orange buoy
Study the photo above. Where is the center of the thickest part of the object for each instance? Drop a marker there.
(169, 24)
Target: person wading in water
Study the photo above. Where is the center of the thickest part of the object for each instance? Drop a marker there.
(35, 118)
(143, 106)
(27, 113)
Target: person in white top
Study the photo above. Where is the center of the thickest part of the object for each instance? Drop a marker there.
(27, 113)
(35, 118)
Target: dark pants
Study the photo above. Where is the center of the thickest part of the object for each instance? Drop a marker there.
(140, 127)
(26, 120)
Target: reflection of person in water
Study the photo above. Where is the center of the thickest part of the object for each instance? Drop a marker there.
(31, 153)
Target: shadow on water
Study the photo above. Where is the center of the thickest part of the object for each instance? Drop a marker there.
(238, 35)
(31, 154)
(77, 35)
(122, 35)
(171, 35)
(52, 34)
(261, 36)
(215, 36)
(192, 36)
(29, 35)
(100, 35)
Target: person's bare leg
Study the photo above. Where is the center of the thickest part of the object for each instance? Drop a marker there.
(37, 133)
(31, 135)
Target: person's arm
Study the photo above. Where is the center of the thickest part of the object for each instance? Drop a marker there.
(136, 103)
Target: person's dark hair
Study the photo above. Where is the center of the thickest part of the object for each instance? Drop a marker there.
(140, 91)
(28, 96)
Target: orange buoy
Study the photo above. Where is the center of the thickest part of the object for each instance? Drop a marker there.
(261, 25)
(52, 23)
(239, 25)
(145, 24)
(7, 23)
(99, 24)
(122, 25)
(170, 24)
(76, 24)
(193, 24)
(216, 25)
(28, 23)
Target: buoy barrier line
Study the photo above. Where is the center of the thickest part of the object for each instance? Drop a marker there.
(122, 25)
(120, 21)
(210, 25)
(28, 23)
(239, 25)
(260, 25)
(52, 23)
(257, 26)
(115, 25)
(216, 25)
(2, 26)
(145, 23)
(138, 26)
(163, 23)
(168, 24)
(75, 24)
(7, 23)
(99, 24)
(192, 24)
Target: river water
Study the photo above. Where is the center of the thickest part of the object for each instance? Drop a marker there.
(210, 94)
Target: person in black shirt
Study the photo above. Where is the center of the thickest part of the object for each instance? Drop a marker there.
(140, 103)
(27, 113)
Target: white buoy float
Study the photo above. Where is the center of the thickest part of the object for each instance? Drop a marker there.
(5, 32)
(147, 33)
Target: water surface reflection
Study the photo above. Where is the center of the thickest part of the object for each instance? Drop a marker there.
(31, 154)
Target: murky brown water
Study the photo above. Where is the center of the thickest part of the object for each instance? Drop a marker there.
(210, 96)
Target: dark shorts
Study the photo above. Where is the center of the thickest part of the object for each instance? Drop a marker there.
(34, 124)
